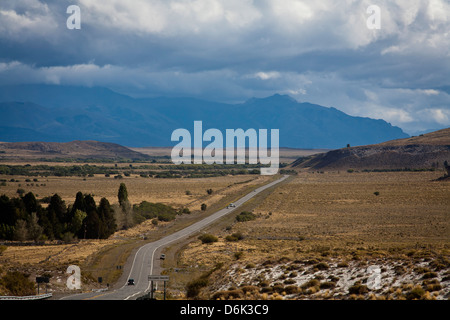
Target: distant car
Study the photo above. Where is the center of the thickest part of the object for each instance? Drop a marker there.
(231, 205)
(131, 282)
(162, 257)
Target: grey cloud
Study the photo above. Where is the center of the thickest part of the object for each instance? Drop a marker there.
(321, 51)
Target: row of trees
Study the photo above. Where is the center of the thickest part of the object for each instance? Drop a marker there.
(163, 171)
(24, 218)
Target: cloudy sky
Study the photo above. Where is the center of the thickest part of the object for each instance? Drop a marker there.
(231, 50)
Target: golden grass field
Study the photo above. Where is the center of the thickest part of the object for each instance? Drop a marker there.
(327, 215)
(340, 211)
(334, 216)
(287, 155)
(168, 191)
(55, 257)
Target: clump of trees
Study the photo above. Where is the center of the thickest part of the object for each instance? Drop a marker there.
(147, 210)
(24, 218)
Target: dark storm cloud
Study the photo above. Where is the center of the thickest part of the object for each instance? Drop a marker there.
(317, 51)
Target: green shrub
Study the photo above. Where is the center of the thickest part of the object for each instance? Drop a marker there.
(421, 270)
(311, 283)
(18, 284)
(289, 281)
(238, 255)
(432, 285)
(429, 275)
(266, 289)
(291, 289)
(358, 289)
(193, 288)
(149, 210)
(246, 289)
(225, 295)
(208, 238)
(245, 216)
(235, 237)
(321, 266)
(416, 293)
(264, 283)
(186, 211)
(327, 285)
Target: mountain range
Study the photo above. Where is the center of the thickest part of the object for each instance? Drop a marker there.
(55, 113)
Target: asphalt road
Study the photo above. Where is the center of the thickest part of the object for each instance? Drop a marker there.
(146, 259)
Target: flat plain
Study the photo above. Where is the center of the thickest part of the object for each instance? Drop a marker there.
(334, 218)
(321, 228)
(54, 257)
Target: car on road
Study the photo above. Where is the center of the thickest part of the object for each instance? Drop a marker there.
(131, 282)
(231, 205)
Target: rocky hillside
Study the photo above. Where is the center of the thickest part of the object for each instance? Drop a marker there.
(425, 151)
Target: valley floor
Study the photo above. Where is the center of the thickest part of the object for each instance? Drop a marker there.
(322, 235)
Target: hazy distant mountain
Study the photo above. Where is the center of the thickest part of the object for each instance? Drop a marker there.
(425, 151)
(68, 150)
(64, 113)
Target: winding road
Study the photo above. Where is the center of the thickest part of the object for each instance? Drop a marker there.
(145, 261)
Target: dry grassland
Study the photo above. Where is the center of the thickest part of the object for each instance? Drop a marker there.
(54, 258)
(168, 191)
(337, 217)
(287, 155)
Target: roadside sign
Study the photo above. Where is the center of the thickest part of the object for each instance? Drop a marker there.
(158, 278)
(152, 278)
(42, 280)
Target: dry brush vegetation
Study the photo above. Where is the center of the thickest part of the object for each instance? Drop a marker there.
(330, 227)
(53, 258)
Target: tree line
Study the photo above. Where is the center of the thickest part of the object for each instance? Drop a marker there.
(160, 171)
(24, 218)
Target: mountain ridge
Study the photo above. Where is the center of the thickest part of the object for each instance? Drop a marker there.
(68, 150)
(65, 113)
(426, 151)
